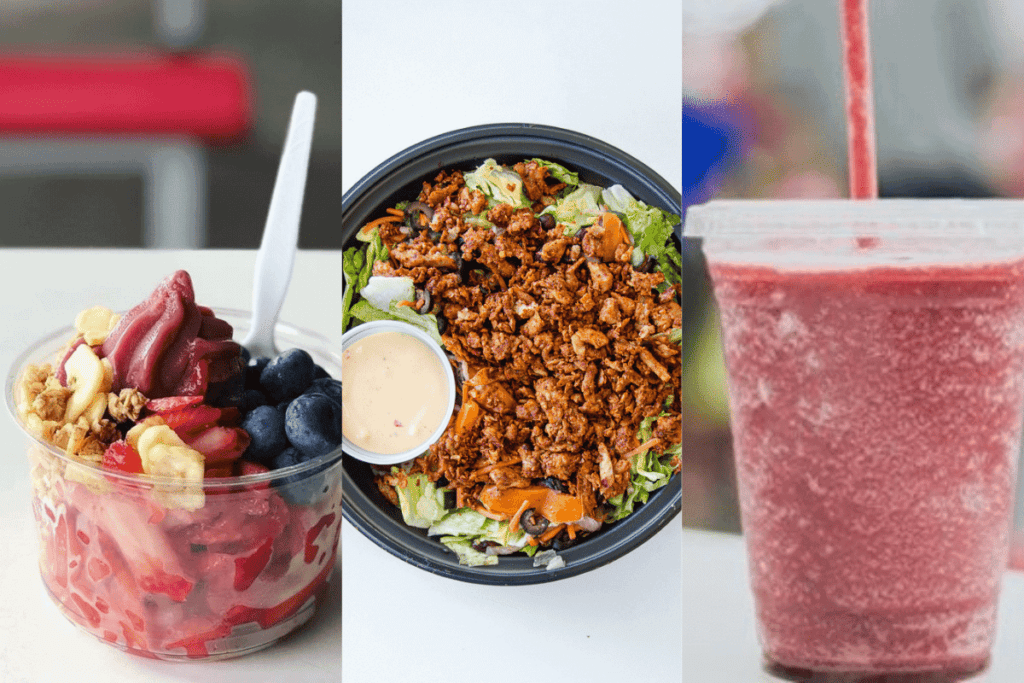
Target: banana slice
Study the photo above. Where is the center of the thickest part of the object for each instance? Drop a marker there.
(164, 454)
(95, 324)
(94, 413)
(86, 378)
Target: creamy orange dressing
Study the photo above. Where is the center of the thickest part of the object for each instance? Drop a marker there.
(394, 393)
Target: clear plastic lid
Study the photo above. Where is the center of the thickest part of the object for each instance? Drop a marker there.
(846, 232)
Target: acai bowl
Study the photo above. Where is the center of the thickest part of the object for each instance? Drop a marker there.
(161, 567)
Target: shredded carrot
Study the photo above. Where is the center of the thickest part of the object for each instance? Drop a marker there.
(488, 513)
(531, 540)
(458, 498)
(410, 304)
(571, 530)
(467, 417)
(514, 524)
(651, 443)
(550, 533)
(379, 221)
(487, 468)
(396, 212)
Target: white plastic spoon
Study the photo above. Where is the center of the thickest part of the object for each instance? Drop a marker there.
(276, 254)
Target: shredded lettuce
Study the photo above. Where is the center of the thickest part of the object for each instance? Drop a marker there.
(365, 311)
(670, 264)
(469, 523)
(422, 505)
(559, 172)
(463, 547)
(421, 502)
(463, 522)
(651, 229)
(357, 267)
(648, 473)
(673, 336)
(499, 184)
(382, 291)
(577, 209)
(478, 221)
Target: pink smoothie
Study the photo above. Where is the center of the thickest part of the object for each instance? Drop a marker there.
(876, 421)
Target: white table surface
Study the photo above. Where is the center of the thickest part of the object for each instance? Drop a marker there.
(412, 70)
(719, 642)
(44, 290)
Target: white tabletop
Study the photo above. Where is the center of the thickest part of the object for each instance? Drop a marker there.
(719, 643)
(604, 68)
(44, 290)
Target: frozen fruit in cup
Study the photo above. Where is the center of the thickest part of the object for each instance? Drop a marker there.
(159, 531)
(875, 357)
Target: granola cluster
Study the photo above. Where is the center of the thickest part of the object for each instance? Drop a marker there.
(43, 406)
(73, 408)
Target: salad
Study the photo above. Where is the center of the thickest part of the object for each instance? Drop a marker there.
(557, 303)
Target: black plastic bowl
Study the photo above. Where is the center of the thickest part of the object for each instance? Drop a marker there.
(400, 178)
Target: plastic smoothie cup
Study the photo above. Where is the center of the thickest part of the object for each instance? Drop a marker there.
(875, 358)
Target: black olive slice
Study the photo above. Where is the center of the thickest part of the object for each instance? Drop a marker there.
(533, 524)
(413, 212)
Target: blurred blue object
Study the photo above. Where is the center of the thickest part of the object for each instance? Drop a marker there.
(713, 140)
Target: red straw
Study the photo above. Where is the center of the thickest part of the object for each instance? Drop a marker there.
(860, 110)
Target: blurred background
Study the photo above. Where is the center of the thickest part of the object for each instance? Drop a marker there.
(763, 118)
(160, 122)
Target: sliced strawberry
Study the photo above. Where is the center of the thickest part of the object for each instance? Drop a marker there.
(192, 420)
(230, 417)
(166, 405)
(219, 472)
(248, 568)
(175, 587)
(219, 444)
(122, 457)
(244, 467)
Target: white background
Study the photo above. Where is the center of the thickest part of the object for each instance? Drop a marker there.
(612, 70)
(45, 289)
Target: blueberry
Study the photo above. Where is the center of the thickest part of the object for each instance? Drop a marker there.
(252, 398)
(319, 372)
(326, 386)
(298, 489)
(265, 426)
(287, 375)
(313, 424)
(253, 369)
(288, 457)
(226, 393)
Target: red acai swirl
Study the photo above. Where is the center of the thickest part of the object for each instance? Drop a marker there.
(169, 346)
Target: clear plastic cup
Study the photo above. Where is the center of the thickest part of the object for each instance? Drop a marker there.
(125, 562)
(875, 358)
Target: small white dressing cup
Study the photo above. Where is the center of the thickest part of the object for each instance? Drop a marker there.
(367, 329)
